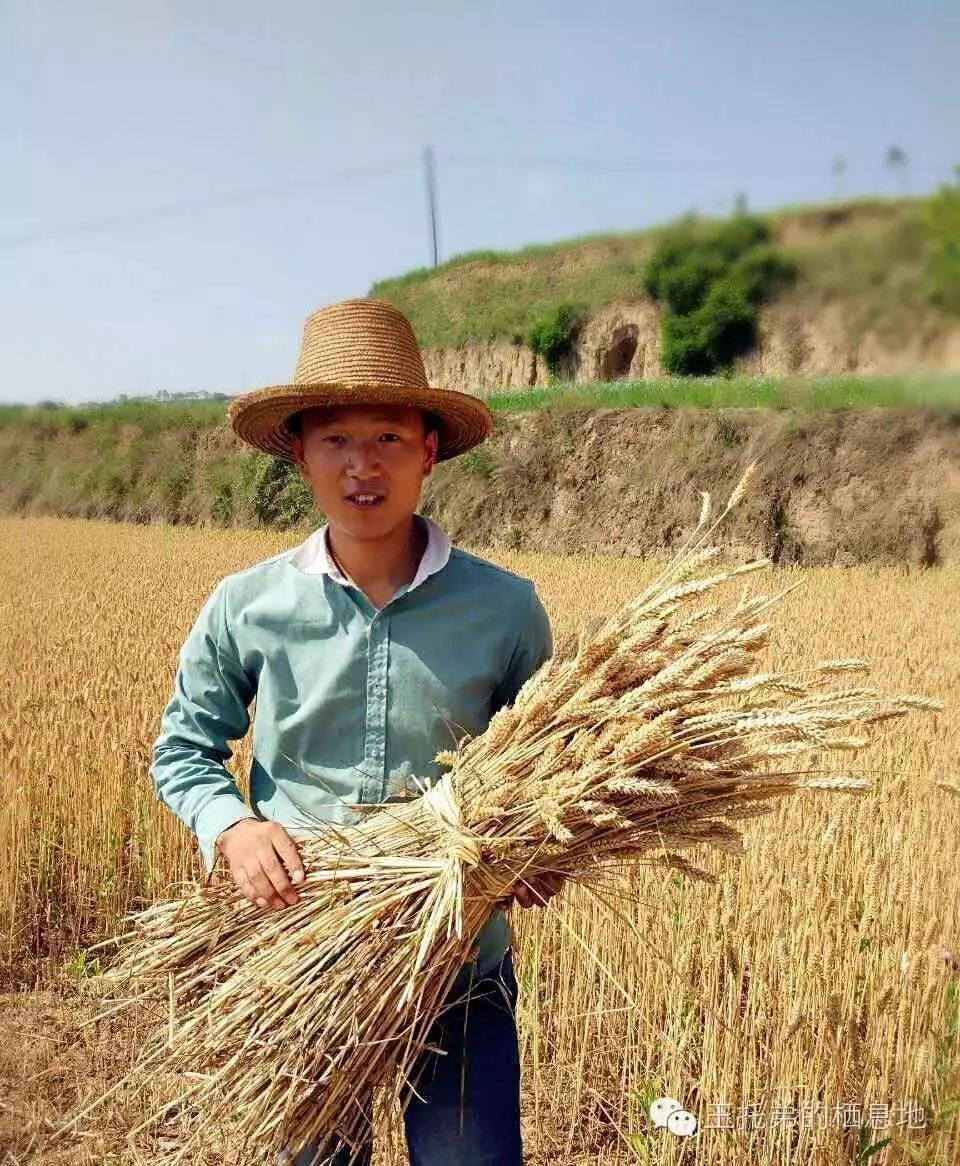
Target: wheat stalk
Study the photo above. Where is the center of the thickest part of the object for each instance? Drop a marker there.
(653, 738)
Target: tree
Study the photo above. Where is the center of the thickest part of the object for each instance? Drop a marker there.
(897, 162)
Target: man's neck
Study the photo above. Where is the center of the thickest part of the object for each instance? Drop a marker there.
(381, 566)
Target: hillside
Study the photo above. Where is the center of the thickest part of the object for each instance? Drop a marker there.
(860, 303)
(836, 486)
(857, 467)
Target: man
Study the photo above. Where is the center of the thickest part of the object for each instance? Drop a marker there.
(370, 647)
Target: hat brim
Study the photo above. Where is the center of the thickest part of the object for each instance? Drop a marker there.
(258, 417)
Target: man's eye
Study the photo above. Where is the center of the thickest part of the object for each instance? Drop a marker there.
(393, 435)
(333, 437)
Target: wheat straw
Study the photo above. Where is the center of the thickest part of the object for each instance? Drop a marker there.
(651, 739)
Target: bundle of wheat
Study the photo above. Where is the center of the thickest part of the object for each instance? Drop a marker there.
(651, 738)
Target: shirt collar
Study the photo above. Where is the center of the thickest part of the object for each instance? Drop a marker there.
(313, 557)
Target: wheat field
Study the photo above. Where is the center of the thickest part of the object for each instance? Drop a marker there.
(806, 1008)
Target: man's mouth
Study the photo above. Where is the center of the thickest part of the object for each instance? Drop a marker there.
(365, 501)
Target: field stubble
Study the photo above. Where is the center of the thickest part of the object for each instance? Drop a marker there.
(820, 971)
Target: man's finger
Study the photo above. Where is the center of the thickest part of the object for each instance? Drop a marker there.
(276, 872)
(289, 853)
(245, 883)
(266, 896)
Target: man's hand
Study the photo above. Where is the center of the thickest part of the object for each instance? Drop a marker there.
(264, 862)
(536, 890)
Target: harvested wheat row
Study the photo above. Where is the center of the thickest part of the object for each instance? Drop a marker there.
(651, 739)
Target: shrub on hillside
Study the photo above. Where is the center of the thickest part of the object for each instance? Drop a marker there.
(553, 336)
(709, 339)
(729, 323)
(943, 226)
(697, 252)
(762, 274)
(711, 278)
(728, 241)
(686, 286)
(674, 248)
(684, 350)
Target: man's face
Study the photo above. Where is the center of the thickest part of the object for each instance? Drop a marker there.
(378, 450)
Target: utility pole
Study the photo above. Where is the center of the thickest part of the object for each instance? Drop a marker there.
(430, 178)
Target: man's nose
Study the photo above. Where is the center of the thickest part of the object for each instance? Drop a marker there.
(363, 455)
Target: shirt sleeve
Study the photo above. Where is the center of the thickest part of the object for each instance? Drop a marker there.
(534, 646)
(209, 705)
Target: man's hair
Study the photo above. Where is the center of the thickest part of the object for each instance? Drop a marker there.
(294, 423)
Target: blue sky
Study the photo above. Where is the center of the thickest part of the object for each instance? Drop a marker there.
(184, 181)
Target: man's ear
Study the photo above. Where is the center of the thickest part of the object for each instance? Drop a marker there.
(431, 445)
(296, 444)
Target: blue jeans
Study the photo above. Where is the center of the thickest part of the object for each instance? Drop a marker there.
(469, 1114)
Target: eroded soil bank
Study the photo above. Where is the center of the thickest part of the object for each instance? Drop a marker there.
(844, 487)
(833, 488)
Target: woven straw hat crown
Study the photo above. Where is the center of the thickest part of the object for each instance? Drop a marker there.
(359, 351)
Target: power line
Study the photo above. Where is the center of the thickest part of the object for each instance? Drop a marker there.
(304, 186)
(660, 165)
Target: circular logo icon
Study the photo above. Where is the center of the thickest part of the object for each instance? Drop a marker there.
(682, 1123)
(661, 1109)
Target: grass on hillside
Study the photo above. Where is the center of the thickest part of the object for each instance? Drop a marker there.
(645, 235)
(923, 391)
(149, 416)
(870, 252)
(912, 391)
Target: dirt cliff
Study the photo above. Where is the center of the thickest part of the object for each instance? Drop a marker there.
(842, 487)
(833, 488)
(622, 341)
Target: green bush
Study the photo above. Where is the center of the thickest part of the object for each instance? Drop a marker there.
(728, 241)
(674, 248)
(684, 350)
(711, 278)
(686, 286)
(174, 484)
(693, 252)
(221, 509)
(712, 337)
(553, 336)
(762, 274)
(942, 220)
(729, 323)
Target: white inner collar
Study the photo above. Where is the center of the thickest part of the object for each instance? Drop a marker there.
(313, 557)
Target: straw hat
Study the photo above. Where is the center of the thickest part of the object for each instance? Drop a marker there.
(357, 352)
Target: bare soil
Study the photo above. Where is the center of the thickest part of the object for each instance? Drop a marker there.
(833, 488)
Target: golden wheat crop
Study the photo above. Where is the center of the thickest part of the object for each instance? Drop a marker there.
(820, 973)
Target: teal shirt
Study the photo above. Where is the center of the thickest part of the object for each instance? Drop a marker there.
(351, 701)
